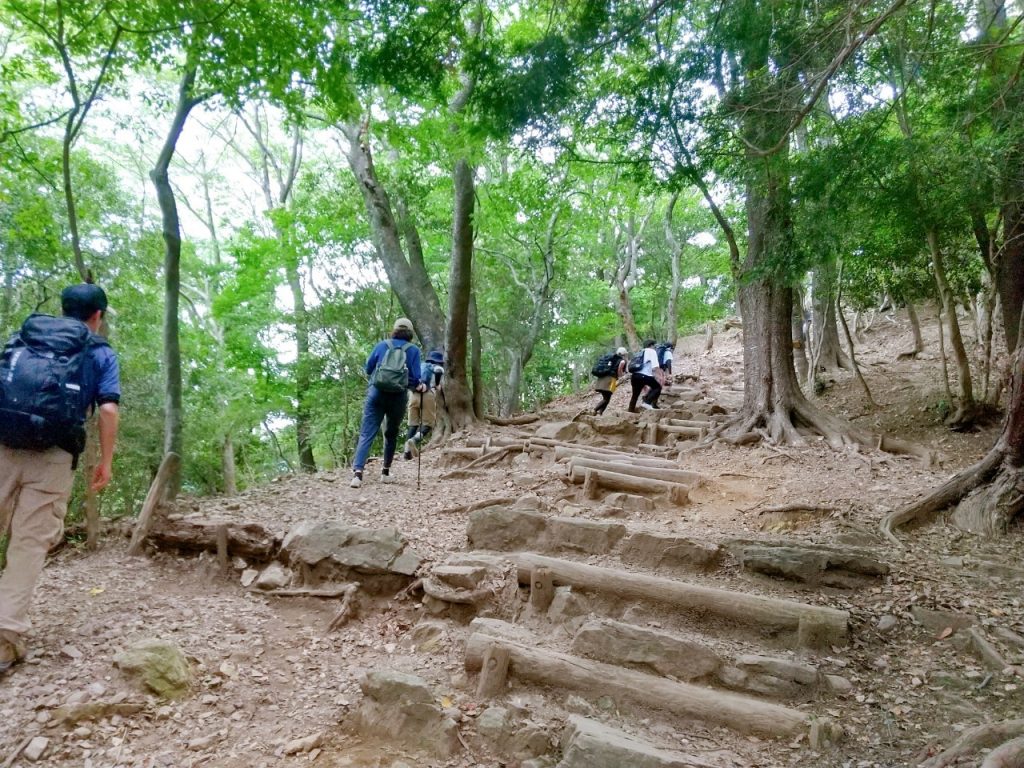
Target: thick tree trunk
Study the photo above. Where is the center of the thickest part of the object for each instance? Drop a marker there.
(825, 332)
(173, 437)
(799, 340)
(408, 277)
(1010, 274)
(458, 398)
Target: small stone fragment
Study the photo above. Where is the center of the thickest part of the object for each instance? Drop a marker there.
(305, 744)
(886, 623)
(35, 748)
(249, 576)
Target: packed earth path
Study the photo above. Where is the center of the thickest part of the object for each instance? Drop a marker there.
(570, 591)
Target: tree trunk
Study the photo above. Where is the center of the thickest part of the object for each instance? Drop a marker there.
(1010, 270)
(173, 438)
(408, 277)
(676, 251)
(965, 409)
(228, 466)
(830, 356)
(303, 364)
(476, 360)
(458, 398)
(799, 341)
(915, 329)
(515, 379)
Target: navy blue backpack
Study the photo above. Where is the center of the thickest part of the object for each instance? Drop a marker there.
(45, 375)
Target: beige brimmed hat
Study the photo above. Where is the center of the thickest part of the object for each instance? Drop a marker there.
(403, 324)
(620, 351)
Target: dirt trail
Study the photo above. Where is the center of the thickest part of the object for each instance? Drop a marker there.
(267, 672)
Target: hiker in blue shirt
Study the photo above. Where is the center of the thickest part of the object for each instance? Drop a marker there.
(394, 368)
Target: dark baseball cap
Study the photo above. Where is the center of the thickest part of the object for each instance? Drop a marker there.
(81, 301)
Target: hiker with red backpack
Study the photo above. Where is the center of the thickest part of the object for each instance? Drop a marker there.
(52, 372)
(394, 368)
(608, 369)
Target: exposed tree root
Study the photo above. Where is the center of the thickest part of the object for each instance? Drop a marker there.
(1009, 755)
(976, 739)
(347, 609)
(788, 427)
(528, 418)
(462, 508)
(949, 493)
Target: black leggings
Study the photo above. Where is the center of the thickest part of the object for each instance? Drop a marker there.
(638, 381)
(606, 397)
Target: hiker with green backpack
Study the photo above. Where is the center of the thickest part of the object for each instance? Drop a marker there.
(394, 368)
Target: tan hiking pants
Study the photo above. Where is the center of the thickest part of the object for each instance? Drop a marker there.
(34, 490)
(429, 411)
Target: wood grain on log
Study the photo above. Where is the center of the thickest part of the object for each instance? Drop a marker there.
(673, 475)
(741, 607)
(741, 713)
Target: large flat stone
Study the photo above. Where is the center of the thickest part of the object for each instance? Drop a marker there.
(811, 564)
(658, 549)
(588, 743)
(504, 528)
(371, 551)
(591, 536)
(667, 654)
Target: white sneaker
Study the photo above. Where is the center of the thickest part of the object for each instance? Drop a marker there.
(356, 481)
(386, 479)
(647, 406)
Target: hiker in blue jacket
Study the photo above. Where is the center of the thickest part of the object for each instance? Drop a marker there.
(394, 368)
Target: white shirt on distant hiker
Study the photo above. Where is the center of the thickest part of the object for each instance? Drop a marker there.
(650, 362)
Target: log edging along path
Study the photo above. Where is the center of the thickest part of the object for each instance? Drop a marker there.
(816, 625)
(545, 667)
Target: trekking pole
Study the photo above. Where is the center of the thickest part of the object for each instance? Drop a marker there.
(419, 444)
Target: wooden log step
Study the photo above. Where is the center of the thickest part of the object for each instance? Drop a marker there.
(673, 475)
(672, 429)
(688, 423)
(816, 626)
(495, 442)
(563, 452)
(464, 453)
(201, 534)
(545, 667)
(547, 443)
(595, 479)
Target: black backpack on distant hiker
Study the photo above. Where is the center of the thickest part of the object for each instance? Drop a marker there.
(45, 372)
(661, 349)
(606, 365)
(636, 362)
(392, 372)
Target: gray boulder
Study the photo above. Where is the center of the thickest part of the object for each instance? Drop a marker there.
(665, 653)
(589, 744)
(504, 528)
(400, 709)
(370, 551)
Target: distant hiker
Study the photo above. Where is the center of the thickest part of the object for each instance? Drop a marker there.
(608, 369)
(642, 368)
(423, 406)
(664, 351)
(394, 368)
(53, 371)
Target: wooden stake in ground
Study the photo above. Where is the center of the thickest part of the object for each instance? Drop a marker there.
(493, 672)
(157, 491)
